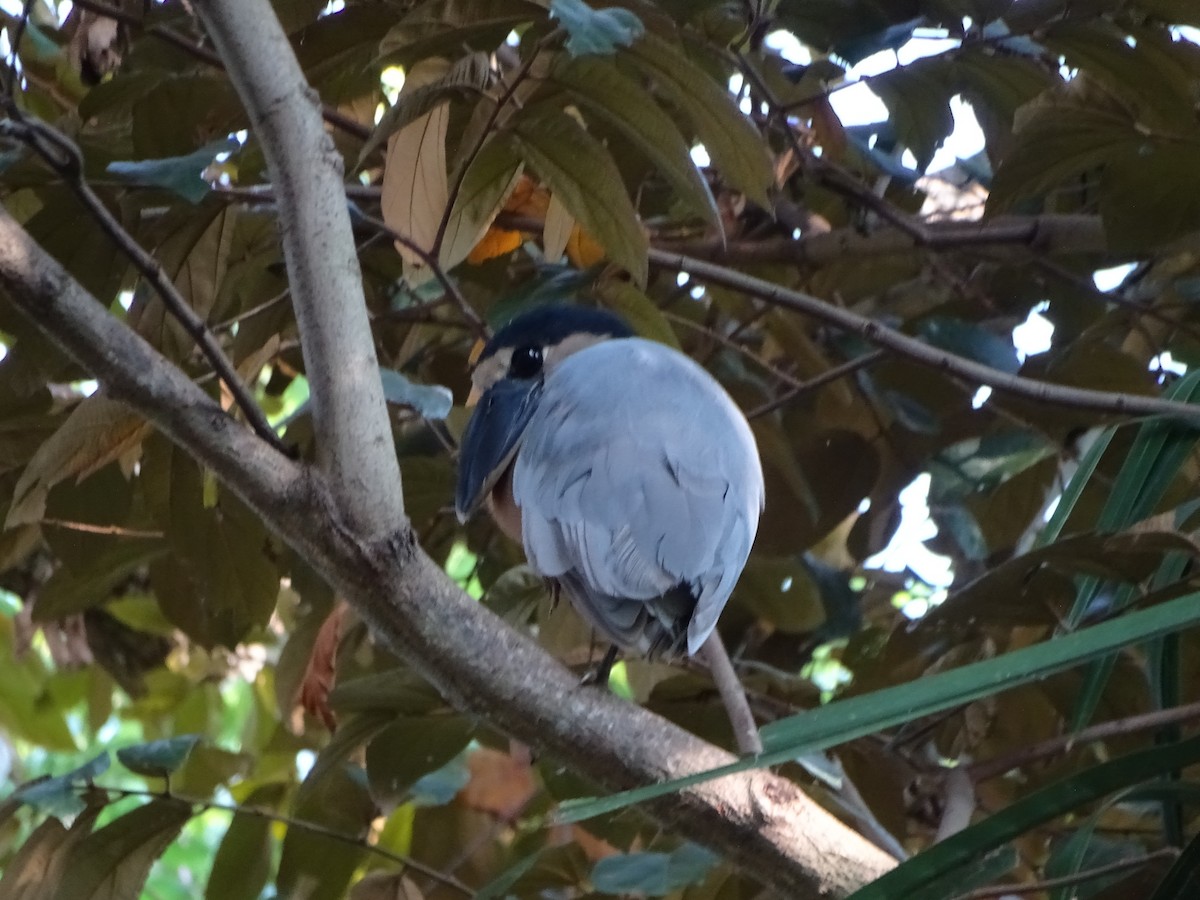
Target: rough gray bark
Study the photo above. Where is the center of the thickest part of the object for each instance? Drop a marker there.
(354, 440)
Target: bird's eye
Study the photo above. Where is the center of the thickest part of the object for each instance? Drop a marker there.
(526, 362)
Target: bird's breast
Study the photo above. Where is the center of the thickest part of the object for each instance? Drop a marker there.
(503, 508)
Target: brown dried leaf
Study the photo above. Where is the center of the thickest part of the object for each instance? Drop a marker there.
(321, 671)
(96, 432)
(557, 230)
(500, 783)
(97, 45)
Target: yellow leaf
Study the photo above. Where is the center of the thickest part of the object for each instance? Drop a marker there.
(557, 230)
(497, 242)
(414, 192)
(582, 249)
(528, 199)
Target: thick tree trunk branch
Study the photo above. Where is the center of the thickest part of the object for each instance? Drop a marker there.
(1049, 234)
(354, 438)
(1059, 235)
(763, 823)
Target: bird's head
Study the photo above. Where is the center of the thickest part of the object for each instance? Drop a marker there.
(506, 385)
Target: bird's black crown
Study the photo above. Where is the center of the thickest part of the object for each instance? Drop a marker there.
(549, 325)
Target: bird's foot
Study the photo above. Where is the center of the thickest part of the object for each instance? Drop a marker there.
(599, 674)
(554, 589)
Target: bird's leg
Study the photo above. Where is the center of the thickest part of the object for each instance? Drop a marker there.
(733, 695)
(554, 589)
(599, 674)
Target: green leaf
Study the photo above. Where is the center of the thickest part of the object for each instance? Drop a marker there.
(432, 401)
(1160, 75)
(411, 748)
(856, 717)
(97, 431)
(350, 735)
(1074, 489)
(71, 591)
(1152, 196)
(397, 691)
(242, 863)
(221, 581)
(1065, 132)
(1182, 881)
(180, 174)
(314, 865)
(972, 341)
(112, 863)
(918, 98)
(60, 796)
(736, 147)
(158, 758)
(638, 310)
(498, 887)
(442, 785)
(607, 91)
(1070, 856)
(911, 877)
(582, 174)
(653, 874)
(443, 27)
(26, 711)
(592, 32)
(489, 180)
(1158, 451)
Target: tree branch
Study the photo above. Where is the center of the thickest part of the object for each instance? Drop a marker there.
(351, 529)
(818, 381)
(1000, 891)
(430, 260)
(985, 769)
(271, 815)
(1050, 234)
(64, 157)
(762, 823)
(1106, 402)
(354, 438)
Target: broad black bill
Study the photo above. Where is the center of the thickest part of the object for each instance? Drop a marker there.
(492, 438)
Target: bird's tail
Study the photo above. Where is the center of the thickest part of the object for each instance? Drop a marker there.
(656, 627)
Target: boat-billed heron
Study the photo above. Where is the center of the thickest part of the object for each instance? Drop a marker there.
(623, 468)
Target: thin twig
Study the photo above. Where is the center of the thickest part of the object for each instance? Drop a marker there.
(790, 380)
(64, 157)
(992, 768)
(429, 258)
(1087, 286)
(407, 861)
(827, 377)
(167, 35)
(1084, 399)
(1050, 884)
(89, 528)
(485, 133)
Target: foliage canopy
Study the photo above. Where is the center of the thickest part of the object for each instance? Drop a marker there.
(505, 153)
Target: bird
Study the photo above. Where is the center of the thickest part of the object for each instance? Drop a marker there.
(629, 476)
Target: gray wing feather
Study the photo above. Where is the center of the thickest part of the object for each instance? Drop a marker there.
(638, 473)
